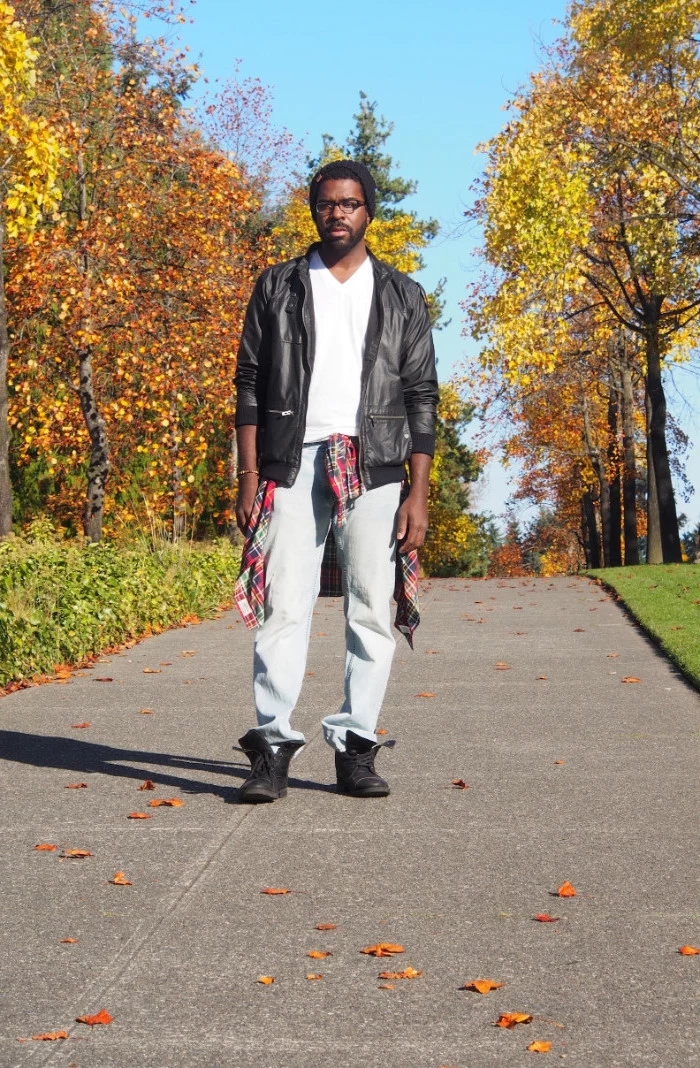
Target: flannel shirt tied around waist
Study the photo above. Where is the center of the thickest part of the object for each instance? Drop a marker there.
(343, 478)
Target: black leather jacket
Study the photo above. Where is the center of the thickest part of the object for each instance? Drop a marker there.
(399, 379)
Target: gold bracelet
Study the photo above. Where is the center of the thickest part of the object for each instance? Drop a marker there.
(248, 471)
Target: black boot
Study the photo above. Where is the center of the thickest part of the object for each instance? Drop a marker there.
(268, 770)
(354, 768)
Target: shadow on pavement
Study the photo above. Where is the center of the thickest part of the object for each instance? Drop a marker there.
(46, 751)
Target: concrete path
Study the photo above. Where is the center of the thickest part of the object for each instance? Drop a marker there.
(573, 775)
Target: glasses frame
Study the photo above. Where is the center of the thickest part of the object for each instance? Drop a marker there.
(329, 206)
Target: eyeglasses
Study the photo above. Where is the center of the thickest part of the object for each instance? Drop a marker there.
(347, 207)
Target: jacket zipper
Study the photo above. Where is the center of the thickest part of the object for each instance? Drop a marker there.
(369, 366)
(278, 411)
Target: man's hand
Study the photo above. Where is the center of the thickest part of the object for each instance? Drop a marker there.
(412, 522)
(247, 488)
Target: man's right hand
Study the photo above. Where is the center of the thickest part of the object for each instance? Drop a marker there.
(247, 489)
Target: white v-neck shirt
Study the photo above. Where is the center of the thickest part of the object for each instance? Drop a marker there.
(341, 315)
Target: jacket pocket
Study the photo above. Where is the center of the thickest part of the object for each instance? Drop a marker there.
(389, 438)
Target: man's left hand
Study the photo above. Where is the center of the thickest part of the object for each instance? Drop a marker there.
(412, 522)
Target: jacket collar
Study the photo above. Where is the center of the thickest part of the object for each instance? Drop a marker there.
(381, 269)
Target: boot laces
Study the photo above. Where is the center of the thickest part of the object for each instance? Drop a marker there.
(364, 760)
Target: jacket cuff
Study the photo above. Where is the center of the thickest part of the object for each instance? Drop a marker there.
(423, 443)
(246, 415)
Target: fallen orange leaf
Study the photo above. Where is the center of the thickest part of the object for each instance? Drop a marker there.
(432, 652)
(78, 726)
(631, 678)
(151, 671)
(579, 630)
(101, 1017)
(69, 941)
(45, 847)
(275, 890)
(482, 986)
(383, 949)
(104, 678)
(542, 678)
(385, 986)
(146, 711)
(310, 976)
(76, 786)
(140, 816)
(502, 666)
(426, 693)
(120, 879)
(566, 890)
(325, 927)
(188, 652)
(558, 761)
(76, 853)
(166, 663)
(512, 1019)
(319, 954)
(147, 785)
(613, 656)
(381, 731)
(50, 1036)
(266, 979)
(460, 784)
(169, 802)
(540, 1047)
(689, 951)
(544, 917)
(407, 973)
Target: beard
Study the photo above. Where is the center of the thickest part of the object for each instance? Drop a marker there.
(345, 241)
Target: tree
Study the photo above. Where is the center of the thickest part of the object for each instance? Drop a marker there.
(395, 235)
(575, 225)
(29, 154)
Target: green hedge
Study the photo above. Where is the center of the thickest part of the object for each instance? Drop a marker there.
(62, 601)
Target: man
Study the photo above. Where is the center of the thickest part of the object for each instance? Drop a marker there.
(336, 392)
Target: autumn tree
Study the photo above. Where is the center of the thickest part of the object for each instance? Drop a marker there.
(575, 224)
(29, 160)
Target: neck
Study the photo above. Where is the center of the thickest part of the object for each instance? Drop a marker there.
(345, 262)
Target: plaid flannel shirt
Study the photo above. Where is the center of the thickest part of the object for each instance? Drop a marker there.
(343, 478)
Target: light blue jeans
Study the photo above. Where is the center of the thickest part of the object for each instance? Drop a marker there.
(366, 545)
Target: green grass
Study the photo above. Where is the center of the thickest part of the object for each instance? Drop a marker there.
(665, 600)
(61, 602)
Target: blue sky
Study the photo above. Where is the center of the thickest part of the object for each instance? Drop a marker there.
(441, 72)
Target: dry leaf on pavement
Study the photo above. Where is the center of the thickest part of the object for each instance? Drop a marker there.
(688, 951)
(460, 784)
(79, 726)
(140, 816)
(326, 927)
(77, 854)
(101, 1017)
(540, 1047)
(482, 986)
(45, 847)
(275, 890)
(566, 890)
(426, 693)
(311, 976)
(50, 1036)
(407, 973)
(512, 1019)
(147, 785)
(544, 917)
(383, 949)
(120, 879)
(69, 941)
(169, 802)
(631, 678)
(76, 786)
(266, 979)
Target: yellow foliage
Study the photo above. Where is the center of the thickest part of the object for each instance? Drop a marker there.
(397, 241)
(29, 150)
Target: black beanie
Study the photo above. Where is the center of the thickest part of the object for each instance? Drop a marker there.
(345, 168)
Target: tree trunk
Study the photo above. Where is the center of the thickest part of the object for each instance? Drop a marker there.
(615, 549)
(654, 550)
(601, 475)
(99, 467)
(5, 484)
(668, 519)
(629, 481)
(98, 470)
(179, 503)
(590, 531)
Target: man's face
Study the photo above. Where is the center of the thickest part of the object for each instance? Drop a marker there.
(339, 231)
